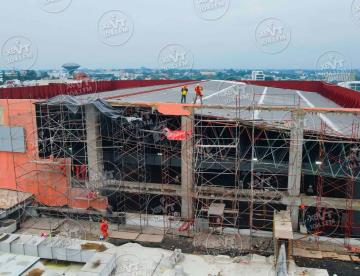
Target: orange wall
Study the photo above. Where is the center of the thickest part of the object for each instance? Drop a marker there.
(47, 179)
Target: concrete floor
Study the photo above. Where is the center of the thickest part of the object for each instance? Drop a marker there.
(224, 93)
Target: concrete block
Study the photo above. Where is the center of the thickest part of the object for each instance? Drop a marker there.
(18, 245)
(73, 252)
(31, 246)
(8, 226)
(59, 249)
(86, 255)
(45, 248)
(5, 245)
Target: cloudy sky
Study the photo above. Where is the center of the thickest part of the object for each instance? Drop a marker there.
(216, 36)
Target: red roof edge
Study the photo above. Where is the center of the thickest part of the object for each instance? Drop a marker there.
(86, 87)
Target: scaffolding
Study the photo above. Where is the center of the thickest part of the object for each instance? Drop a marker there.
(239, 166)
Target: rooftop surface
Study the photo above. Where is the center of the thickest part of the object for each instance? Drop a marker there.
(227, 93)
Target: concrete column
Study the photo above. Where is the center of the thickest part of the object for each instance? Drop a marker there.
(295, 164)
(187, 149)
(93, 143)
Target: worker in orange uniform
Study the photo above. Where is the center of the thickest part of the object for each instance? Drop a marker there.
(198, 93)
(104, 226)
(184, 91)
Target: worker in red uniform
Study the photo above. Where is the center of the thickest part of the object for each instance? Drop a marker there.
(104, 226)
(198, 93)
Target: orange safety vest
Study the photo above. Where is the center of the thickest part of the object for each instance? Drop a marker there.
(198, 90)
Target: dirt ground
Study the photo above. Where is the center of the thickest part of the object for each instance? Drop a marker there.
(340, 268)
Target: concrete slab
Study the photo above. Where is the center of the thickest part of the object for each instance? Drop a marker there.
(122, 235)
(100, 264)
(217, 92)
(10, 198)
(14, 265)
(31, 231)
(55, 268)
(135, 259)
(42, 223)
(150, 238)
(301, 252)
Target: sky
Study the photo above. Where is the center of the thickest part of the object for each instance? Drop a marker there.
(237, 34)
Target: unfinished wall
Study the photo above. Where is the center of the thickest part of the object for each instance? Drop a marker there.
(47, 179)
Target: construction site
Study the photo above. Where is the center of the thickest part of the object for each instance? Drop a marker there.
(259, 172)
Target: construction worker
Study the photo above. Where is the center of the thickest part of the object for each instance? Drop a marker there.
(104, 226)
(198, 93)
(184, 91)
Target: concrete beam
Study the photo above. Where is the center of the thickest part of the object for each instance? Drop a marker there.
(284, 108)
(93, 144)
(295, 164)
(145, 188)
(187, 149)
(243, 195)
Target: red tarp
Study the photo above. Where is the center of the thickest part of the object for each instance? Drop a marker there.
(176, 135)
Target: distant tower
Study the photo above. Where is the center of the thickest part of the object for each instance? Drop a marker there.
(71, 68)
